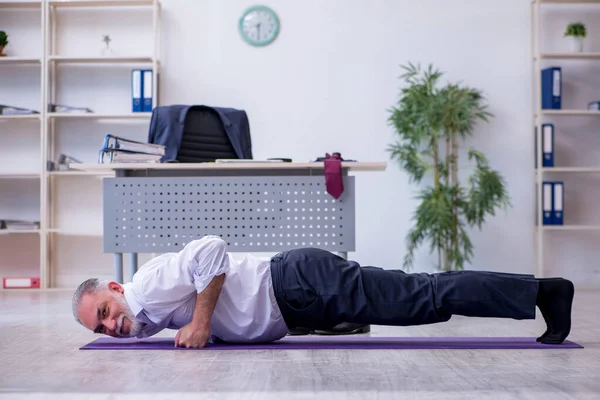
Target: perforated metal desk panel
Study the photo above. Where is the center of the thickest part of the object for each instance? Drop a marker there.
(266, 207)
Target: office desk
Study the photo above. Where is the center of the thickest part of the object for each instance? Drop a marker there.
(253, 206)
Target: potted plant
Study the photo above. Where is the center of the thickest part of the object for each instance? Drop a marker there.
(3, 42)
(577, 32)
(431, 123)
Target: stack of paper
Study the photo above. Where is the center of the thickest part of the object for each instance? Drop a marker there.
(59, 108)
(118, 150)
(10, 110)
(19, 225)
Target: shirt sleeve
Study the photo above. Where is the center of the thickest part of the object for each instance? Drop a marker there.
(203, 259)
(165, 282)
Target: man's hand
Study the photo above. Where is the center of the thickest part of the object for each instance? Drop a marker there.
(192, 336)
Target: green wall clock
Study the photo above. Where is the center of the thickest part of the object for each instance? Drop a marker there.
(259, 26)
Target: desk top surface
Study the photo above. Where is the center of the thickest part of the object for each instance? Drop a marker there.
(350, 166)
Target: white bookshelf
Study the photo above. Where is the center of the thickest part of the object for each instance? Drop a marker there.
(21, 4)
(68, 245)
(20, 176)
(88, 116)
(568, 119)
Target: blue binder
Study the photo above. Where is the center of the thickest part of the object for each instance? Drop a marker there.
(548, 145)
(552, 88)
(558, 197)
(147, 101)
(136, 90)
(548, 202)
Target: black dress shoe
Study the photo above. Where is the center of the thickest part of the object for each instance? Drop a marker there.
(299, 331)
(555, 300)
(345, 328)
(545, 315)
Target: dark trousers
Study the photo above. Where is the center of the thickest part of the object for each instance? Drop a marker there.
(318, 289)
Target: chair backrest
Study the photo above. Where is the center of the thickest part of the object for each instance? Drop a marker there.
(204, 138)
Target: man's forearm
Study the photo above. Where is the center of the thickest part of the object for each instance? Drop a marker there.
(206, 301)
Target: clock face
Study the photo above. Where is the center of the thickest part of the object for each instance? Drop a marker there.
(259, 26)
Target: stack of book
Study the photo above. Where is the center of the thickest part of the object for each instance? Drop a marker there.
(117, 150)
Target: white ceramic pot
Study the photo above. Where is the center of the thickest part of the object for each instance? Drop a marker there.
(576, 43)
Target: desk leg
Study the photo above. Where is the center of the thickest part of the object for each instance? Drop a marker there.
(343, 254)
(118, 267)
(133, 264)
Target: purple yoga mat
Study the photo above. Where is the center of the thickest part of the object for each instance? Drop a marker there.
(338, 342)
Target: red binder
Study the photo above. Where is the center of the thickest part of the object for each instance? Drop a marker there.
(21, 283)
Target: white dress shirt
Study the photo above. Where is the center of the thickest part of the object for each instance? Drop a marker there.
(162, 294)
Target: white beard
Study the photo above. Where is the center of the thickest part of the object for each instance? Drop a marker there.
(136, 326)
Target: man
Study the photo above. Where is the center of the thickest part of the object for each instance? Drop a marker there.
(206, 294)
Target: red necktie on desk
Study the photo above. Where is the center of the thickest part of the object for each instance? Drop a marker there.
(333, 175)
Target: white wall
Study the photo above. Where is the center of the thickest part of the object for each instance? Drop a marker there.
(326, 84)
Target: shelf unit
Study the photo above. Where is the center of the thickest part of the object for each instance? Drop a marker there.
(50, 62)
(8, 123)
(557, 57)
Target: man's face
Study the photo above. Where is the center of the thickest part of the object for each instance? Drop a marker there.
(107, 312)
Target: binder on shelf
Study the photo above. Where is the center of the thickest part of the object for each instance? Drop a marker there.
(558, 197)
(552, 88)
(547, 203)
(21, 283)
(147, 101)
(548, 145)
(111, 156)
(112, 142)
(136, 90)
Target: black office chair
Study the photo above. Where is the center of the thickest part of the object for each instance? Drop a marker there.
(204, 138)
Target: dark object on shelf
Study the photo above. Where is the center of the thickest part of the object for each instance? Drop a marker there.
(58, 108)
(336, 154)
(344, 328)
(10, 110)
(62, 163)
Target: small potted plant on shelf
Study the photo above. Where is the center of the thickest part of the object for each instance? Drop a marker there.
(577, 32)
(3, 42)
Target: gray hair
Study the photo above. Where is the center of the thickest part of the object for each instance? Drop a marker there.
(87, 287)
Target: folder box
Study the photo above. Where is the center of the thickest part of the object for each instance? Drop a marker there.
(558, 197)
(553, 199)
(21, 283)
(147, 84)
(136, 90)
(547, 203)
(551, 88)
(547, 146)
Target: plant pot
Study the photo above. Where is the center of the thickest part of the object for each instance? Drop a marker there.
(576, 43)
(1, 51)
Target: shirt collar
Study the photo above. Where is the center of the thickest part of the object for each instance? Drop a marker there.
(131, 299)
